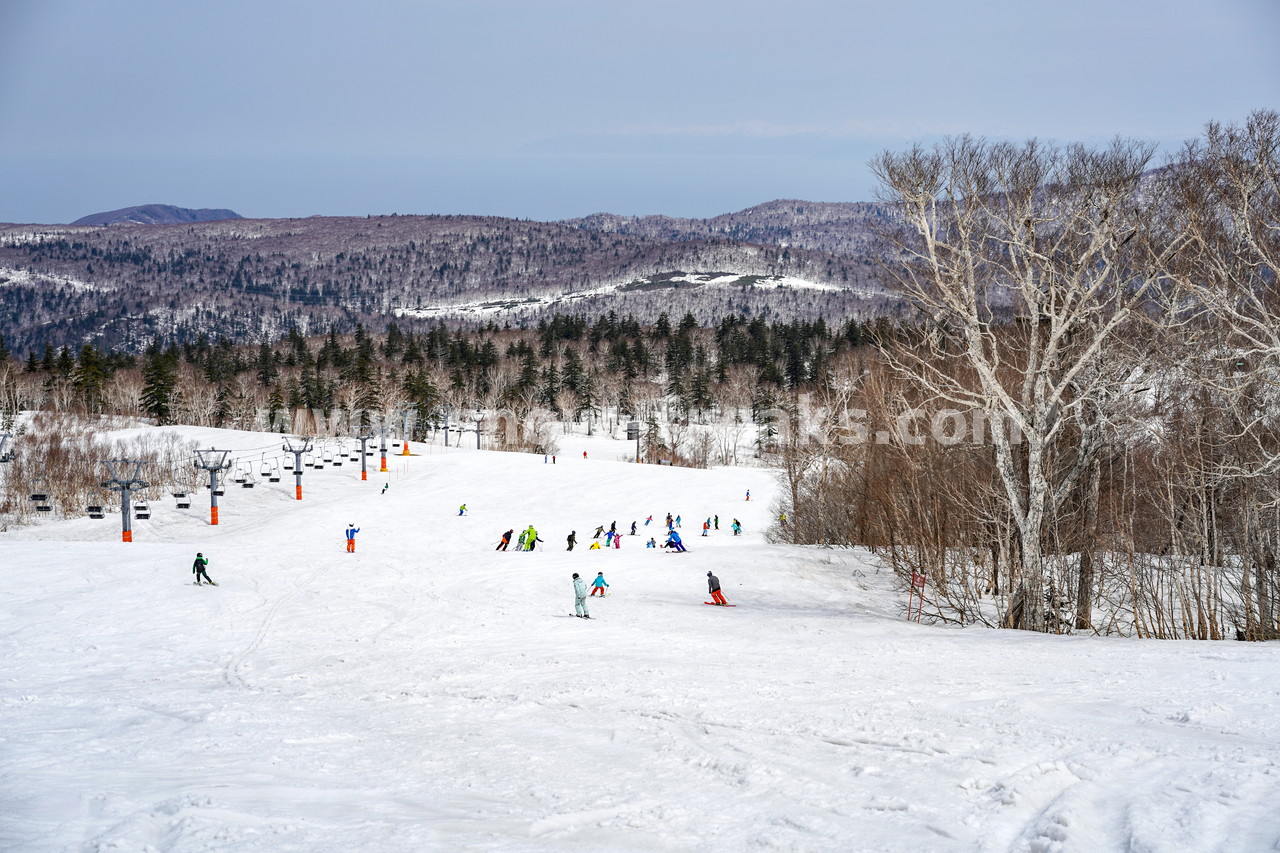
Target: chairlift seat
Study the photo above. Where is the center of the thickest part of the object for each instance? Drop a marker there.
(39, 496)
(219, 492)
(44, 508)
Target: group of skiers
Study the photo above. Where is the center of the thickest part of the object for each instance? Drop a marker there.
(613, 537)
(527, 542)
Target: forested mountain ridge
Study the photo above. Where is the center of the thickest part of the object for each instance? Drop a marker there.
(123, 286)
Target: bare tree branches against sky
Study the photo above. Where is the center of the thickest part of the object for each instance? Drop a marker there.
(557, 108)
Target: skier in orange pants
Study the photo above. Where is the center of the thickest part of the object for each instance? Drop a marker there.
(351, 538)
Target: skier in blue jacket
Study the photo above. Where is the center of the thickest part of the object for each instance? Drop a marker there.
(673, 541)
(599, 585)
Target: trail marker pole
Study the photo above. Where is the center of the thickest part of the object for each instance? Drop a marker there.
(215, 462)
(126, 487)
(917, 588)
(297, 445)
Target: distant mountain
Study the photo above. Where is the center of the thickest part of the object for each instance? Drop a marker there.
(253, 279)
(157, 214)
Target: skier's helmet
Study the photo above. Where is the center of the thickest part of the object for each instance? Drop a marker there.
(575, 574)
(708, 574)
(198, 554)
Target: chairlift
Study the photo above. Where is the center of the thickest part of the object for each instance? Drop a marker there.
(95, 511)
(309, 460)
(184, 502)
(141, 511)
(288, 462)
(249, 481)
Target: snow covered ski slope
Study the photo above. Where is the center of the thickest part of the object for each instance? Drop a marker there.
(430, 693)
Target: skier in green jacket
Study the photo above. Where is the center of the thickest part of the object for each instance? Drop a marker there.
(197, 569)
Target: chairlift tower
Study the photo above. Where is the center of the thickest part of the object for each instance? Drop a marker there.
(213, 461)
(383, 429)
(126, 486)
(297, 445)
(363, 437)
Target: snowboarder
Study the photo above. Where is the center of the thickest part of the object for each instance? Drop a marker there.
(580, 597)
(197, 569)
(651, 543)
(572, 539)
(673, 541)
(713, 587)
(647, 520)
(462, 510)
(633, 528)
(506, 540)
(352, 530)
(599, 584)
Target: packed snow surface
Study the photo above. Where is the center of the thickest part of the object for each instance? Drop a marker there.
(430, 693)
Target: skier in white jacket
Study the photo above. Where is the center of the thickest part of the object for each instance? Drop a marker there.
(580, 597)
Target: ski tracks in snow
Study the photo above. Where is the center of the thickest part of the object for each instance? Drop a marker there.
(233, 672)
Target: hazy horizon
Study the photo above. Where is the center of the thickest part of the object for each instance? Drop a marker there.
(564, 108)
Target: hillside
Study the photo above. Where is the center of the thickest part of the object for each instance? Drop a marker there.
(430, 693)
(248, 279)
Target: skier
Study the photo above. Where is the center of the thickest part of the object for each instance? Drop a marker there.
(572, 539)
(531, 538)
(524, 534)
(713, 587)
(197, 569)
(599, 530)
(462, 510)
(706, 527)
(736, 527)
(651, 543)
(717, 522)
(633, 528)
(613, 527)
(748, 494)
(506, 540)
(668, 521)
(595, 546)
(584, 456)
(580, 597)
(677, 521)
(673, 541)
(617, 541)
(599, 584)
(385, 486)
(352, 530)
(609, 536)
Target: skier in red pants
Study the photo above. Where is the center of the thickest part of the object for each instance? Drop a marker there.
(713, 587)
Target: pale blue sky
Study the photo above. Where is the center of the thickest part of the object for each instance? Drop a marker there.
(548, 109)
